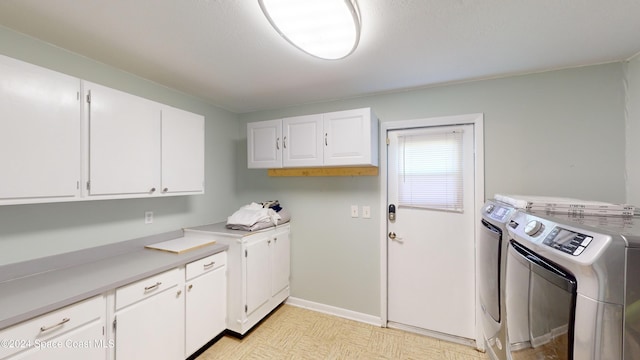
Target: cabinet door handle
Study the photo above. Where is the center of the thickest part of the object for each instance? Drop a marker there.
(152, 190)
(165, 190)
(47, 328)
(284, 142)
(325, 139)
(206, 266)
(190, 287)
(152, 287)
(277, 143)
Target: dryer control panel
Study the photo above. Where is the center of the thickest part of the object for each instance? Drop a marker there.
(567, 241)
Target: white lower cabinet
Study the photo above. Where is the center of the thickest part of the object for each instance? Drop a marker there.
(258, 268)
(164, 317)
(149, 318)
(75, 332)
(206, 301)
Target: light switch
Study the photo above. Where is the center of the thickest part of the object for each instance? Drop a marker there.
(366, 212)
(354, 211)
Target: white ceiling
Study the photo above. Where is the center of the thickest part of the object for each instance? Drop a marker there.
(225, 51)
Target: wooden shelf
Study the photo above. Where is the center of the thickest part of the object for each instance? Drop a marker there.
(326, 171)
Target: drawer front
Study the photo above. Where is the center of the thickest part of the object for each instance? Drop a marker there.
(29, 333)
(142, 289)
(207, 264)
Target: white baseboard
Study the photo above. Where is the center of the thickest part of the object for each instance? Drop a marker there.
(336, 311)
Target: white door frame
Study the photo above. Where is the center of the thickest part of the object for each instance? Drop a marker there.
(474, 119)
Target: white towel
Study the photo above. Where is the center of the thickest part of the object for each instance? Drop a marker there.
(251, 214)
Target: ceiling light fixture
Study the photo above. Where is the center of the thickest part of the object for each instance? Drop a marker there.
(328, 29)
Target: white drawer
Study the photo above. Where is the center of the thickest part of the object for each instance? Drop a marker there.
(204, 265)
(141, 289)
(28, 333)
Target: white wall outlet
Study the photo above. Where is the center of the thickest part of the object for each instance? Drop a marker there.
(148, 217)
(354, 211)
(366, 212)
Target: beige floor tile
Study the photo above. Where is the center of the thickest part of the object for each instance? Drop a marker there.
(296, 333)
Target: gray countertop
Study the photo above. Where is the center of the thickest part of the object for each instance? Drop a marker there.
(72, 277)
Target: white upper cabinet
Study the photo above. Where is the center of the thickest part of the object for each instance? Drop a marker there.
(264, 144)
(65, 139)
(351, 138)
(341, 138)
(302, 141)
(182, 151)
(39, 133)
(124, 142)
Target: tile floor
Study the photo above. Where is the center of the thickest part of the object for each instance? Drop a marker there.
(296, 333)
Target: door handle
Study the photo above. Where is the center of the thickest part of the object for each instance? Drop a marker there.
(395, 237)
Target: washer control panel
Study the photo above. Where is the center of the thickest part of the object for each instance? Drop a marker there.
(497, 212)
(567, 241)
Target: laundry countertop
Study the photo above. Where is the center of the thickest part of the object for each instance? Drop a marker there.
(69, 278)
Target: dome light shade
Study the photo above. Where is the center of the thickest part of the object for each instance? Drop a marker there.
(328, 29)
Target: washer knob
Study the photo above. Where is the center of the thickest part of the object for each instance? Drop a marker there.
(533, 228)
(489, 208)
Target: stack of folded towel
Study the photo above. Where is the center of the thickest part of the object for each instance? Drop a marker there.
(256, 216)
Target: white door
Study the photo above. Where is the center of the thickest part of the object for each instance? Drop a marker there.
(302, 141)
(347, 137)
(430, 244)
(280, 261)
(152, 328)
(124, 143)
(258, 274)
(264, 144)
(182, 151)
(39, 132)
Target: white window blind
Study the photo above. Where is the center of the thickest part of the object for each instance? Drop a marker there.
(430, 170)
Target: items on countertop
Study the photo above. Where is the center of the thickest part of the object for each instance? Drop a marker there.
(257, 216)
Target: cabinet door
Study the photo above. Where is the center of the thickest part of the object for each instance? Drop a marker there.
(302, 141)
(264, 144)
(152, 328)
(206, 309)
(280, 261)
(182, 151)
(39, 132)
(350, 138)
(258, 272)
(124, 143)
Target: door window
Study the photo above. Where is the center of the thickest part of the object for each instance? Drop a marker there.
(430, 170)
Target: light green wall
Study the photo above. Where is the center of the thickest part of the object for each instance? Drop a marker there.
(633, 130)
(557, 133)
(32, 231)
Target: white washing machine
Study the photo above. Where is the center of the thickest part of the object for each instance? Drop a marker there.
(573, 287)
(492, 244)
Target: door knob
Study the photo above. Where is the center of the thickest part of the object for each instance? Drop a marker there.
(395, 237)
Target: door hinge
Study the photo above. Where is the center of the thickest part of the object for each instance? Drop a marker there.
(89, 97)
(388, 141)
